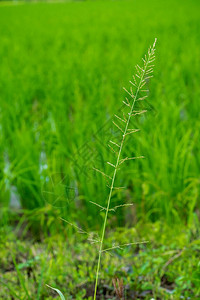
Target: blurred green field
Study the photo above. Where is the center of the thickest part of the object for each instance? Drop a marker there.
(62, 70)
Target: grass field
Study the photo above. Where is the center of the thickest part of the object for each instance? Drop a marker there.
(62, 69)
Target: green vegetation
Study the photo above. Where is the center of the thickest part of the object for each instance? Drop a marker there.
(125, 128)
(62, 69)
(165, 268)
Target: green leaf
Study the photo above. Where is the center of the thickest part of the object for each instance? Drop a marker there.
(58, 291)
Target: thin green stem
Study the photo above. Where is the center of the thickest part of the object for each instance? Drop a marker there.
(115, 172)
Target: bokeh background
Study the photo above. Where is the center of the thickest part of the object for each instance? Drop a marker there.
(62, 70)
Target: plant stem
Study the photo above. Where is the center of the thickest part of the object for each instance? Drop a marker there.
(114, 175)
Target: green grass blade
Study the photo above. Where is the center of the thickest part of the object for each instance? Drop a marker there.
(40, 283)
(58, 291)
(21, 278)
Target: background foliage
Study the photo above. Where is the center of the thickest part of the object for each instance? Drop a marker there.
(62, 69)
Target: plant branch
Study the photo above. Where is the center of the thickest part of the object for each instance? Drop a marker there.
(141, 75)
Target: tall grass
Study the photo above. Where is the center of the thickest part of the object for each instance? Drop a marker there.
(137, 94)
(123, 121)
(62, 67)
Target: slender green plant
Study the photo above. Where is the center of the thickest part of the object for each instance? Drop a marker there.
(141, 78)
(135, 94)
